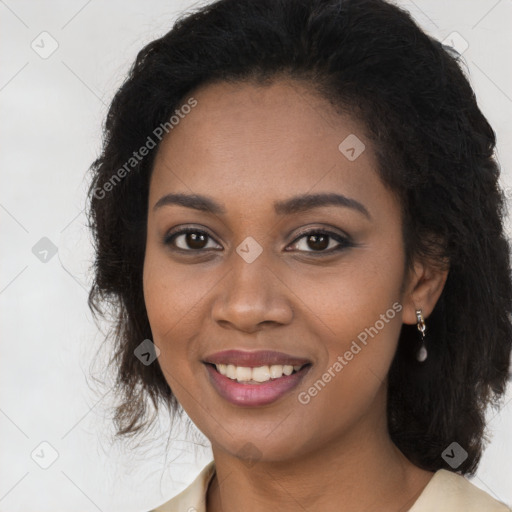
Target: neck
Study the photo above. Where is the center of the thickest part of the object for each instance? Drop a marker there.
(361, 470)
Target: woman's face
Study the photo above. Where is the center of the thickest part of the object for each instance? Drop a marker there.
(249, 288)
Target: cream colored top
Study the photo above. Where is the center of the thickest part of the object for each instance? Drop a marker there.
(445, 492)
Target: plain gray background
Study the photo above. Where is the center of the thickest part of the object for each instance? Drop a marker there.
(52, 109)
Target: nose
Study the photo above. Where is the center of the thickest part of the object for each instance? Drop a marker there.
(251, 297)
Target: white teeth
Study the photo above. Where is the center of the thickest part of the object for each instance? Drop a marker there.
(243, 374)
(231, 371)
(276, 371)
(258, 374)
(287, 369)
(261, 374)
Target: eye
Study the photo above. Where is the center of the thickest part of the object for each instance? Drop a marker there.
(189, 239)
(314, 241)
(322, 241)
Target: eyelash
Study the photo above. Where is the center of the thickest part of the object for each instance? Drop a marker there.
(342, 240)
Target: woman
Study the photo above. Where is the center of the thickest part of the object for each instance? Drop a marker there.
(297, 203)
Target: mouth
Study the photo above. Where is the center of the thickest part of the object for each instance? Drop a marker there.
(254, 378)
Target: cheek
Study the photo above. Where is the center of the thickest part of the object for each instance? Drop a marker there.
(370, 349)
(352, 298)
(173, 296)
(360, 324)
(160, 296)
(351, 382)
(166, 303)
(171, 292)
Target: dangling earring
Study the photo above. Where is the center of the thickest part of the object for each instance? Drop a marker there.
(422, 352)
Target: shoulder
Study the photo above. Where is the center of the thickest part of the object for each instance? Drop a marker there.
(192, 498)
(451, 492)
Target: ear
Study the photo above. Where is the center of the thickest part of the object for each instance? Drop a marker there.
(423, 288)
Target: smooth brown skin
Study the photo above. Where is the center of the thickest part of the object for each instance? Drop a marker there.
(247, 146)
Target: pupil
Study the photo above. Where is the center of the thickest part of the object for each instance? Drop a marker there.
(321, 242)
(196, 240)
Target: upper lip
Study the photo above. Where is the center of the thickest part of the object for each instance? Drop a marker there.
(255, 359)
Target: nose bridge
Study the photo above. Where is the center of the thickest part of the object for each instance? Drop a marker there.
(251, 293)
(250, 280)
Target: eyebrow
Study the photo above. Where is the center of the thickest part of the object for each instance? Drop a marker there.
(289, 206)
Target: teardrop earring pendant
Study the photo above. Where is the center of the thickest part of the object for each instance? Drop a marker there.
(422, 352)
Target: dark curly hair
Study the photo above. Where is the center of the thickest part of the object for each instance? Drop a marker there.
(435, 151)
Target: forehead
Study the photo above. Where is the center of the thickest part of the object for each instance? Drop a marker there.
(264, 141)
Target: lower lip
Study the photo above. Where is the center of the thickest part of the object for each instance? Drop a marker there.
(253, 395)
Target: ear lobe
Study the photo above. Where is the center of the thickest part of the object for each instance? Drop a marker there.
(425, 285)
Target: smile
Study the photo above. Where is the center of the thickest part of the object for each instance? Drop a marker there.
(253, 379)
